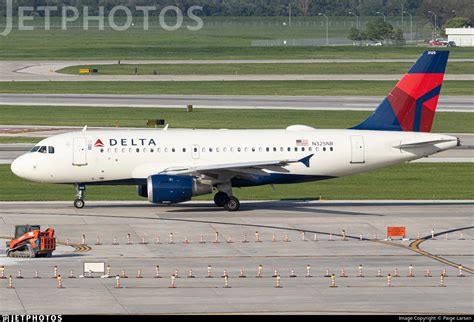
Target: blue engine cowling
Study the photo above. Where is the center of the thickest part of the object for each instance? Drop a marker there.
(173, 189)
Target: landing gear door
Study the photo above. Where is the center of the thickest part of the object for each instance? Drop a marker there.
(357, 149)
(195, 151)
(79, 153)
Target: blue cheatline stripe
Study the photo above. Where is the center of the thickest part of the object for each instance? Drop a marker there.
(276, 178)
(256, 180)
(419, 106)
(431, 62)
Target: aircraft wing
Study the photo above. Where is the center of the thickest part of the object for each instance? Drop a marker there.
(242, 168)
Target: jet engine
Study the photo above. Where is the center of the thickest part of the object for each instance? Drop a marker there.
(166, 189)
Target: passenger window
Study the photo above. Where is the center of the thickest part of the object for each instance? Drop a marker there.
(289, 149)
(123, 150)
(224, 149)
(324, 149)
(184, 150)
(51, 149)
(138, 150)
(173, 150)
(151, 150)
(296, 149)
(166, 149)
(144, 149)
(210, 149)
(274, 149)
(246, 149)
(282, 149)
(239, 149)
(268, 149)
(116, 150)
(310, 149)
(331, 149)
(302, 149)
(195, 149)
(217, 149)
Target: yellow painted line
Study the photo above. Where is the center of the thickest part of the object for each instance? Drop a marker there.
(79, 248)
(414, 246)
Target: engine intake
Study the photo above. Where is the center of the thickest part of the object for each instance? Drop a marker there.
(166, 189)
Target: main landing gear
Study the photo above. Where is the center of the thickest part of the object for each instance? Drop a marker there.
(222, 199)
(81, 190)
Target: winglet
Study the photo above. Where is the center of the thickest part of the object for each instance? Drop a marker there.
(305, 160)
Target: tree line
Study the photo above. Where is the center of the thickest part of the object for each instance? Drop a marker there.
(378, 30)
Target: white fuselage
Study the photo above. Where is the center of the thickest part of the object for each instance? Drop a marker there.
(130, 156)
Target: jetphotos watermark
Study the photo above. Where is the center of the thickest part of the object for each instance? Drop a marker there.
(119, 18)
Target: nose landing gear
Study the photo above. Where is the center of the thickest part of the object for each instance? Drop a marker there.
(79, 201)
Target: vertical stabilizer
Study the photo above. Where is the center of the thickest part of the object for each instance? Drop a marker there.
(411, 105)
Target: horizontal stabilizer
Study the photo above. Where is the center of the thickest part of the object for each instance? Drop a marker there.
(419, 144)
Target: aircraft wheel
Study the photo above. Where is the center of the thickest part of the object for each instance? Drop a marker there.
(220, 199)
(79, 203)
(232, 204)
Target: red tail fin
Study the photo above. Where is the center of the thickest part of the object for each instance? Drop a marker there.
(411, 105)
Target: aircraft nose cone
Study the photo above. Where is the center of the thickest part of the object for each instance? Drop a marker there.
(15, 167)
(18, 167)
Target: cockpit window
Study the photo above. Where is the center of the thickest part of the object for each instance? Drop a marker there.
(43, 149)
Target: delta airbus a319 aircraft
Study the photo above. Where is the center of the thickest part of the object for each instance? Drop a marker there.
(169, 166)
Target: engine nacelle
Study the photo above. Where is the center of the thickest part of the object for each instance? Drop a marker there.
(167, 189)
(142, 191)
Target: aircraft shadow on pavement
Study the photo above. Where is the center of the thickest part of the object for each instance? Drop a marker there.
(288, 206)
(284, 205)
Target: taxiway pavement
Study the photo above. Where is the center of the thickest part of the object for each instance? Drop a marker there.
(47, 71)
(356, 103)
(322, 248)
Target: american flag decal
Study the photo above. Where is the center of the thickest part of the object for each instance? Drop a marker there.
(301, 142)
